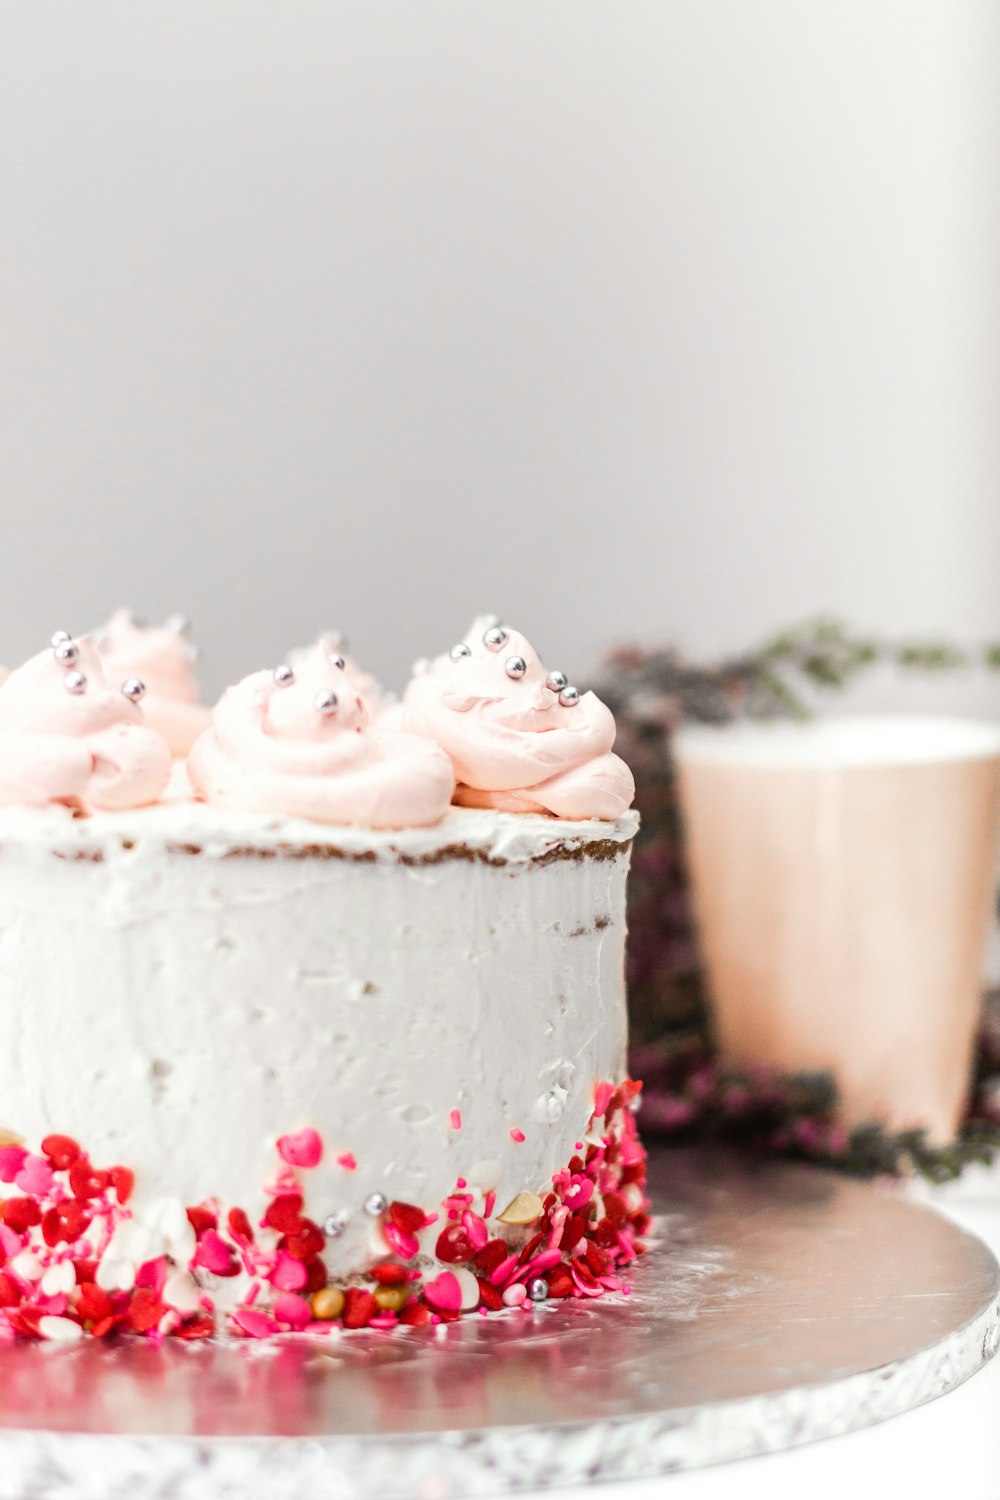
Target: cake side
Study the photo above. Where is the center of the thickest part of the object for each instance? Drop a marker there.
(437, 1019)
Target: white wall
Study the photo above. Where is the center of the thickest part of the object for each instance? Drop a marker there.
(626, 319)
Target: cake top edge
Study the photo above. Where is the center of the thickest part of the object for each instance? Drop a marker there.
(181, 826)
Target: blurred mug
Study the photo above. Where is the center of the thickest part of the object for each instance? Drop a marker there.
(844, 876)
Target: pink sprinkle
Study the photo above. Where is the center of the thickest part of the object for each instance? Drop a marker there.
(578, 1146)
(35, 1176)
(12, 1159)
(10, 1243)
(289, 1275)
(489, 1205)
(626, 1291)
(444, 1293)
(543, 1261)
(475, 1228)
(602, 1098)
(405, 1245)
(257, 1324)
(579, 1192)
(153, 1274)
(504, 1270)
(517, 1135)
(293, 1310)
(212, 1253)
(460, 1182)
(455, 1119)
(304, 1149)
(348, 1161)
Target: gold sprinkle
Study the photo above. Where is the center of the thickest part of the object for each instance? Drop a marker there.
(327, 1303)
(524, 1209)
(10, 1138)
(392, 1298)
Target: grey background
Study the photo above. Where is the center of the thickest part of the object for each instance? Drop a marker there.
(627, 320)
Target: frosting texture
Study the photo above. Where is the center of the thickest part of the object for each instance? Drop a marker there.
(68, 737)
(298, 742)
(164, 659)
(521, 739)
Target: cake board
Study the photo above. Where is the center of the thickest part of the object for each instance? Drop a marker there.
(781, 1304)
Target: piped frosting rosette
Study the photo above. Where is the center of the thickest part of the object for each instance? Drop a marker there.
(297, 742)
(521, 739)
(384, 708)
(163, 658)
(68, 736)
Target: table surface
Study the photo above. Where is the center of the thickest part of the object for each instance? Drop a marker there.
(949, 1446)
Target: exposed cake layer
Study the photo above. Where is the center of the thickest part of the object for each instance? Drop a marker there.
(183, 986)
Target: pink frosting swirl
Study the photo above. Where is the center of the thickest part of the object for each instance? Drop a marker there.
(272, 748)
(67, 736)
(164, 660)
(514, 745)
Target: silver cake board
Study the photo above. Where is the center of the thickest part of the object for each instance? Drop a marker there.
(782, 1304)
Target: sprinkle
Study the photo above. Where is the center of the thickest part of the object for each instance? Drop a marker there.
(289, 1275)
(215, 1255)
(517, 1136)
(525, 1208)
(60, 1330)
(255, 1325)
(35, 1176)
(514, 1295)
(444, 1293)
(12, 1159)
(304, 1149)
(293, 1310)
(327, 1303)
(348, 1161)
(455, 1119)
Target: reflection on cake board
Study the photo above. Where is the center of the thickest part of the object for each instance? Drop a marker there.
(782, 1305)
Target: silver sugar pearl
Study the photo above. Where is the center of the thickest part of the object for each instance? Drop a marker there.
(376, 1204)
(283, 675)
(457, 652)
(179, 624)
(192, 653)
(66, 652)
(338, 661)
(75, 682)
(334, 1225)
(59, 637)
(326, 703)
(420, 666)
(492, 622)
(495, 639)
(133, 688)
(538, 1289)
(515, 666)
(556, 681)
(570, 696)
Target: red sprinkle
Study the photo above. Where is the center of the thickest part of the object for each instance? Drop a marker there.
(61, 1150)
(359, 1307)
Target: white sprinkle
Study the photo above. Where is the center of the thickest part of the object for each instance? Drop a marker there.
(514, 1295)
(27, 1266)
(181, 1291)
(114, 1275)
(133, 1241)
(59, 1278)
(468, 1286)
(60, 1330)
(168, 1217)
